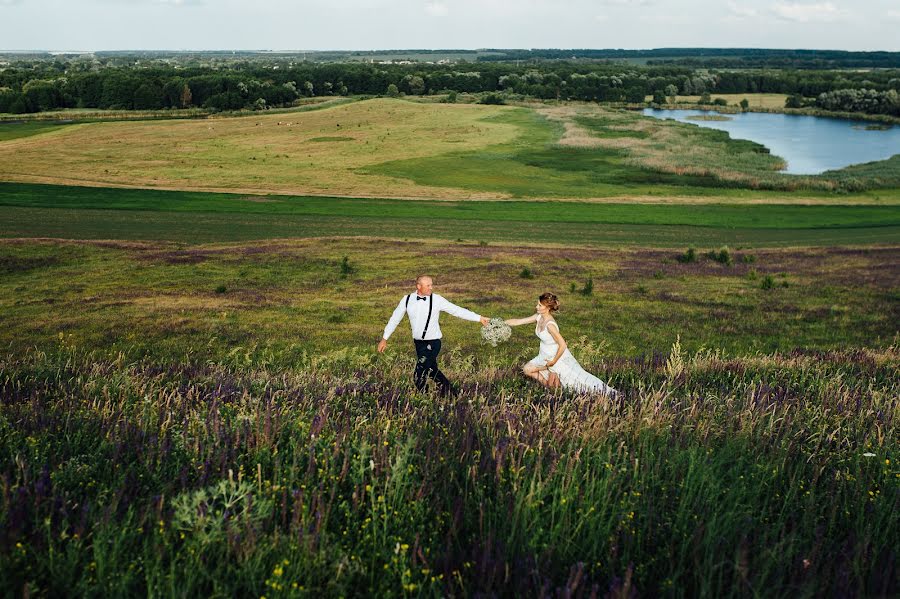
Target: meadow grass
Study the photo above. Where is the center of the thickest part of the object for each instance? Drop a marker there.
(213, 420)
(771, 475)
(294, 296)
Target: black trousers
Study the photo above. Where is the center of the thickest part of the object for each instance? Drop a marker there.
(427, 367)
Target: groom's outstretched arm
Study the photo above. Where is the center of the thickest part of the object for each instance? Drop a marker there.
(395, 319)
(449, 307)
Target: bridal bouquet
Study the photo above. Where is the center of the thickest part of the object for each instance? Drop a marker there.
(497, 331)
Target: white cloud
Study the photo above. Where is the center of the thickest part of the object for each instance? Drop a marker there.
(893, 14)
(436, 9)
(9, 2)
(744, 12)
(822, 12)
(601, 18)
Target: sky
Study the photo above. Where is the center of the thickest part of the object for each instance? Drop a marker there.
(387, 24)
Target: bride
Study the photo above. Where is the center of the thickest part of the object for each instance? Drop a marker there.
(555, 366)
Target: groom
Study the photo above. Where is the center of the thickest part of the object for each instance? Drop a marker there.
(424, 308)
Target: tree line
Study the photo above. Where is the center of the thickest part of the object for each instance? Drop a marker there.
(40, 85)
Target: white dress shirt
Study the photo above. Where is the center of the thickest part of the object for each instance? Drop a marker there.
(417, 310)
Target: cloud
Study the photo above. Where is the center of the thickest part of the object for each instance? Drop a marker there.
(625, 2)
(743, 12)
(894, 14)
(9, 2)
(601, 18)
(436, 9)
(822, 12)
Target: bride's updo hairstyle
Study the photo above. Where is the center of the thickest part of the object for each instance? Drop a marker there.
(550, 300)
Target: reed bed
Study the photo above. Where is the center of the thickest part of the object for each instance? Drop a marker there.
(764, 474)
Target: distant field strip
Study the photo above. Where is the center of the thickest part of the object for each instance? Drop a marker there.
(97, 213)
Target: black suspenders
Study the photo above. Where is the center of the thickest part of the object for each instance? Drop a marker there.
(430, 305)
(427, 320)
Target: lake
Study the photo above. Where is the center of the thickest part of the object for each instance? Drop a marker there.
(809, 144)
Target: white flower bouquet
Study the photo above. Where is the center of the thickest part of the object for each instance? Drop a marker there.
(497, 331)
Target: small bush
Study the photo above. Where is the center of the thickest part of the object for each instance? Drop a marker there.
(723, 256)
(492, 99)
(346, 267)
(658, 274)
(689, 256)
(526, 273)
(752, 275)
(221, 289)
(641, 289)
(588, 287)
(748, 258)
(572, 288)
(767, 283)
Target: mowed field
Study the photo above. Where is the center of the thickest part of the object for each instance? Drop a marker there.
(400, 149)
(316, 151)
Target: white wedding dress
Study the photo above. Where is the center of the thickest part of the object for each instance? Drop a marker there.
(571, 375)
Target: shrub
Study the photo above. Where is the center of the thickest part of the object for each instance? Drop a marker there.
(588, 287)
(689, 256)
(748, 258)
(526, 273)
(221, 289)
(346, 267)
(723, 256)
(493, 99)
(767, 283)
(572, 288)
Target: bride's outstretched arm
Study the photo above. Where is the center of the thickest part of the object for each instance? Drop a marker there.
(514, 322)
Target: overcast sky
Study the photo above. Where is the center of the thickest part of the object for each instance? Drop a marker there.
(381, 24)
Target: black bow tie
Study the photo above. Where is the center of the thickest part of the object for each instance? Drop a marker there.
(421, 298)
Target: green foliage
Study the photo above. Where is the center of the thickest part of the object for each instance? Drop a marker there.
(492, 99)
(526, 273)
(767, 283)
(794, 101)
(346, 268)
(722, 256)
(690, 255)
(588, 288)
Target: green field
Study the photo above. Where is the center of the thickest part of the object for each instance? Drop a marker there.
(96, 213)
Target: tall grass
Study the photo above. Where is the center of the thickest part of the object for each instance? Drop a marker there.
(716, 476)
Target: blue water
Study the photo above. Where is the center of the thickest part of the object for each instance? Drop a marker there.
(809, 144)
